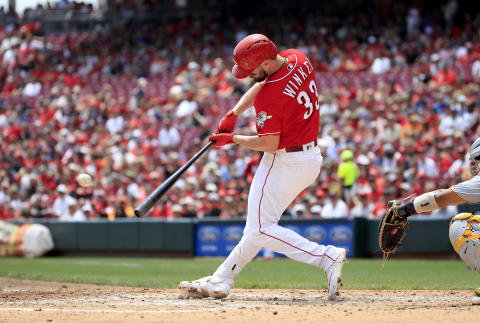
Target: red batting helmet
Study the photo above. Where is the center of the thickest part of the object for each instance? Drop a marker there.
(251, 52)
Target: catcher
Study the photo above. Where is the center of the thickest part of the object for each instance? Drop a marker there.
(464, 230)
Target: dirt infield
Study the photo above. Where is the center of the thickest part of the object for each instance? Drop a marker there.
(36, 301)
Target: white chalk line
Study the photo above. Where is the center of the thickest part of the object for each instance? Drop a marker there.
(93, 263)
(139, 311)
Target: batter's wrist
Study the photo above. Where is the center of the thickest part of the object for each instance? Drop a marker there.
(425, 203)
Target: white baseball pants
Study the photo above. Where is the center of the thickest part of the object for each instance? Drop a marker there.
(279, 179)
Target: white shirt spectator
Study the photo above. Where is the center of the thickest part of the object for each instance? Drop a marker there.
(61, 102)
(132, 189)
(381, 65)
(428, 166)
(460, 123)
(476, 70)
(115, 124)
(4, 197)
(25, 181)
(362, 211)
(470, 118)
(450, 123)
(158, 65)
(455, 167)
(462, 50)
(32, 89)
(73, 213)
(447, 125)
(79, 215)
(17, 204)
(298, 211)
(339, 210)
(240, 165)
(9, 57)
(169, 137)
(118, 157)
(37, 44)
(328, 111)
(389, 165)
(60, 117)
(60, 205)
(186, 108)
(9, 42)
(66, 217)
(3, 121)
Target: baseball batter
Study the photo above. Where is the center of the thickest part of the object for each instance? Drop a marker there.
(285, 101)
(464, 230)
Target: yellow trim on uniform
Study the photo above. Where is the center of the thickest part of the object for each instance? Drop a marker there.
(462, 217)
(476, 252)
(477, 291)
(475, 218)
(451, 189)
(461, 241)
(467, 234)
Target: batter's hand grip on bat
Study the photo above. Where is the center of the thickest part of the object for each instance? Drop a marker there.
(155, 196)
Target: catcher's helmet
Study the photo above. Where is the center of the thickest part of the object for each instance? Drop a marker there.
(475, 149)
(251, 52)
(475, 157)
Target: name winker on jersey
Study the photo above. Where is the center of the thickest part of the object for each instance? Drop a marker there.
(297, 79)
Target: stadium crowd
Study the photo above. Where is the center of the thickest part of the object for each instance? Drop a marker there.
(399, 110)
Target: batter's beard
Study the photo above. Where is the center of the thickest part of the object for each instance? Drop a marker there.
(261, 78)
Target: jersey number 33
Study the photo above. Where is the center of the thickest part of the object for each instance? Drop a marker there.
(305, 99)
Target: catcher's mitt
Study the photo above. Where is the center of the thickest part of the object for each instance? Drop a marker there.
(391, 230)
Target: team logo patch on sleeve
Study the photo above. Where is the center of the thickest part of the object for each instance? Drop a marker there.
(261, 118)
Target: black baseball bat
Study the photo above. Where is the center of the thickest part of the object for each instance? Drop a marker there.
(155, 196)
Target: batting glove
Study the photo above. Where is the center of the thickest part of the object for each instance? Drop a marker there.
(221, 139)
(227, 124)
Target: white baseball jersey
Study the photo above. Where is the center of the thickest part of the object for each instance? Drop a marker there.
(468, 190)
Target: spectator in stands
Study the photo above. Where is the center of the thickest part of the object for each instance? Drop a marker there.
(215, 207)
(348, 173)
(388, 162)
(315, 211)
(298, 211)
(363, 207)
(169, 135)
(188, 207)
(334, 207)
(381, 64)
(62, 202)
(88, 113)
(122, 209)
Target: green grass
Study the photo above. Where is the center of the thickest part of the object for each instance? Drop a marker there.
(281, 273)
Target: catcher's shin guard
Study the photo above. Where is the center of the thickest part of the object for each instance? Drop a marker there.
(464, 235)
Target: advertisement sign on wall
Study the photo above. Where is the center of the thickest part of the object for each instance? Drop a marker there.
(218, 239)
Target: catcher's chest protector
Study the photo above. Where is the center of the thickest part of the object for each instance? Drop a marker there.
(464, 235)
